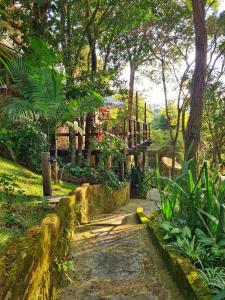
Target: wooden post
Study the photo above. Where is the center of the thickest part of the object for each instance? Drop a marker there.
(137, 160)
(145, 114)
(144, 133)
(143, 161)
(135, 133)
(138, 133)
(130, 134)
(136, 106)
(121, 170)
(80, 143)
(46, 173)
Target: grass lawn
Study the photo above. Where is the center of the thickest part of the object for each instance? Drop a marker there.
(26, 209)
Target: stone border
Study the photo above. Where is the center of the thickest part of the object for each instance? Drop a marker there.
(184, 273)
(99, 199)
(28, 270)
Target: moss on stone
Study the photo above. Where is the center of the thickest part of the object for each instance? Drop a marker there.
(27, 266)
(192, 286)
(97, 199)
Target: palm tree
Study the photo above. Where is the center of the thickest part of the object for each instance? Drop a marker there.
(40, 96)
(50, 102)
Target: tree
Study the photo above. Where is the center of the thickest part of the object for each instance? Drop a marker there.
(40, 94)
(192, 135)
(170, 42)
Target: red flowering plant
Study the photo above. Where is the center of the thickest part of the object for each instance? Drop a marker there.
(222, 169)
(109, 146)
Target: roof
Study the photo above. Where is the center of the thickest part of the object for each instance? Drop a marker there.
(111, 102)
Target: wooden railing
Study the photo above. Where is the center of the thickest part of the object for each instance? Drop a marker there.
(133, 132)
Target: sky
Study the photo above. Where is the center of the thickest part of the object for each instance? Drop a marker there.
(151, 92)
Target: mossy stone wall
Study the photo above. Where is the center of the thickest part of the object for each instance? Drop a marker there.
(27, 268)
(99, 199)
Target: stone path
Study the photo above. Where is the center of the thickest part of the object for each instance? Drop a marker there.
(116, 260)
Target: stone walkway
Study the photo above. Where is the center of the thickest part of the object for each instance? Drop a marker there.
(114, 258)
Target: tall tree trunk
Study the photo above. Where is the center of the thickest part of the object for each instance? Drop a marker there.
(89, 117)
(39, 19)
(192, 135)
(131, 89)
(73, 148)
(66, 31)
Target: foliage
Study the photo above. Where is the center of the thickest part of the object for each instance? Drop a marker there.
(24, 144)
(83, 171)
(189, 248)
(193, 222)
(110, 178)
(102, 174)
(215, 278)
(9, 187)
(109, 146)
(197, 201)
(6, 143)
(26, 208)
(138, 187)
(175, 229)
(63, 266)
(14, 220)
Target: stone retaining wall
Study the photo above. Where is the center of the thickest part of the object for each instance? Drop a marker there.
(27, 269)
(99, 199)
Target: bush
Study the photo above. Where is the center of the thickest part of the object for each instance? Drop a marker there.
(25, 144)
(104, 175)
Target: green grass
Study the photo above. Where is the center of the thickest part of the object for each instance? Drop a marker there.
(26, 210)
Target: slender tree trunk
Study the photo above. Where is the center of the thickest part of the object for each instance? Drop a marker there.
(66, 32)
(108, 50)
(66, 40)
(73, 149)
(131, 89)
(55, 163)
(173, 140)
(192, 135)
(39, 19)
(183, 120)
(89, 118)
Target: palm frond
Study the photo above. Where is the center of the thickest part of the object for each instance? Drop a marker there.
(18, 110)
(74, 125)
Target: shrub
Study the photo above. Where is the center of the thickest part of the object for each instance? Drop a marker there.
(29, 141)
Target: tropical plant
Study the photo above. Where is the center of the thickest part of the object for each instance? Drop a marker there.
(175, 229)
(83, 171)
(8, 187)
(40, 94)
(215, 278)
(189, 248)
(198, 201)
(110, 178)
(110, 147)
